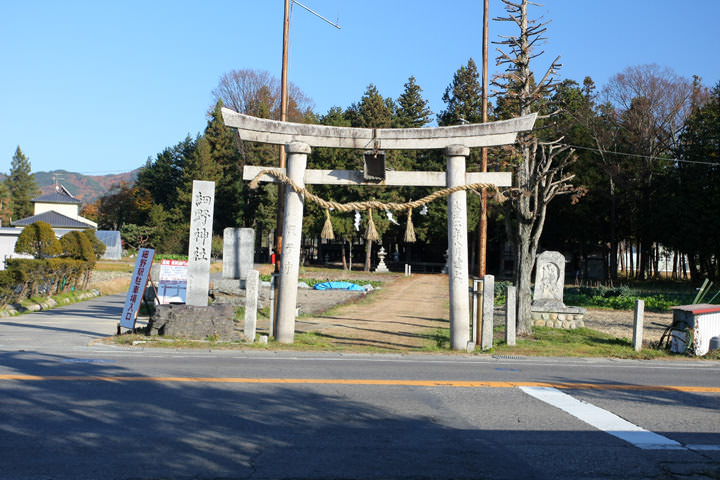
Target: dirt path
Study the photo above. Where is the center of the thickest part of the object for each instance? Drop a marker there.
(405, 314)
(400, 316)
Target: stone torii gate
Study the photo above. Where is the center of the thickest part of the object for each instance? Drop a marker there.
(456, 141)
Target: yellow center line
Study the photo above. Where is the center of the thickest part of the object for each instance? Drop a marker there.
(333, 381)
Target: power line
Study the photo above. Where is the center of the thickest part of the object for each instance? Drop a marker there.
(648, 157)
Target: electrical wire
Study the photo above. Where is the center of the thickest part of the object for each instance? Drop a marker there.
(647, 157)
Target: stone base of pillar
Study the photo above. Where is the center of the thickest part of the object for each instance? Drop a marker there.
(193, 322)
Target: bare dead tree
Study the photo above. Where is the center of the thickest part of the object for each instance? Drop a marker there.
(246, 90)
(539, 167)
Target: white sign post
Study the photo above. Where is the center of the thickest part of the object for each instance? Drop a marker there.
(137, 287)
(172, 285)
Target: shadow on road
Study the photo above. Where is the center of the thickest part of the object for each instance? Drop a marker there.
(80, 421)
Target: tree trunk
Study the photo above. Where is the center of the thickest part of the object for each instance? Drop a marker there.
(523, 274)
(350, 254)
(368, 254)
(342, 253)
(613, 234)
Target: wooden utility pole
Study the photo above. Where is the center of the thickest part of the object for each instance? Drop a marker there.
(281, 186)
(482, 233)
(283, 118)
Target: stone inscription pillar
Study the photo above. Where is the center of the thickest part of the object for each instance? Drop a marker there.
(457, 248)
(297, 153)
(201, 220)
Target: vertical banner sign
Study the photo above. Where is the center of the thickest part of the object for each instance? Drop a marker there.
(137, 287)
(201, 221)
(172, 284)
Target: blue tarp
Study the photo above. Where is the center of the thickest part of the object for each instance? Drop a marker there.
(338, 286)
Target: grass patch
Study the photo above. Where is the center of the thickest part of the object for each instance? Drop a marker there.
(656, 298)
(580, 342)
(311, 340)
(124, 266)
(438, 341)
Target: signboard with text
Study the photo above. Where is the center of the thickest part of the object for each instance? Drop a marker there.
(137, 287)
(172, 285)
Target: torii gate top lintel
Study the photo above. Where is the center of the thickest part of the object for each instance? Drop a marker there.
(470, 135)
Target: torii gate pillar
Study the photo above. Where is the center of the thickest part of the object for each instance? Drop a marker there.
(457, 248)
(297, 153)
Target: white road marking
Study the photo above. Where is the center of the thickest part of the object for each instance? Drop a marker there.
(707, 448)
(603, 420)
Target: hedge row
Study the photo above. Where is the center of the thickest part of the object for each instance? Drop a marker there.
(26, 278)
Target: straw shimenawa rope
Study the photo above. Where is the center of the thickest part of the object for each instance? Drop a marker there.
(350, 206)
(410, 228)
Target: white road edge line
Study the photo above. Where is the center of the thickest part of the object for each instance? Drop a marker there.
(706, 448)
(603, 420)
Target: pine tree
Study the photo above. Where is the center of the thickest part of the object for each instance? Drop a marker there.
(373, 111)
(223, 155)
(22, 186)
(5, 205)
(463, 97)
(200, 166)
(412, 111)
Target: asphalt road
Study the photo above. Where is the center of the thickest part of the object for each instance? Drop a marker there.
(74, 411)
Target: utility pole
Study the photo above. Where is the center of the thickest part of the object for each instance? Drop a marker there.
(283, 118)
(482, 233)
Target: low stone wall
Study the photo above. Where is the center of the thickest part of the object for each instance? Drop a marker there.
(561, 319)
(47, 304)
(193, 322)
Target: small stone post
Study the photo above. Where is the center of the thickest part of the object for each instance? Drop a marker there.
(488, 310)
(457, 248)
(252, 290)
(638, 325)
(297, 153)
(510, 315)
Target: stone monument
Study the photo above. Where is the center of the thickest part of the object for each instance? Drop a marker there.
(238, 252)
(201, 221)
(196, 319)
(548, 309)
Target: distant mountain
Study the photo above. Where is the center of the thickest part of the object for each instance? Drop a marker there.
(87, 188)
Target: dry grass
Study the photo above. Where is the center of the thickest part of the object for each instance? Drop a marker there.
(112, 286)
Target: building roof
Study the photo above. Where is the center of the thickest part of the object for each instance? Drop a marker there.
(60, 195)
(55, 219)
(698, 309)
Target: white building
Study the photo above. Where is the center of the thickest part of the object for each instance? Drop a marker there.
(60, 210)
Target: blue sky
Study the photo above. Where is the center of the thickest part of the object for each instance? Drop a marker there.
(98, 87)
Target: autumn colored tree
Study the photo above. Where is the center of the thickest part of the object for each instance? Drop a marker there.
(124, 204)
